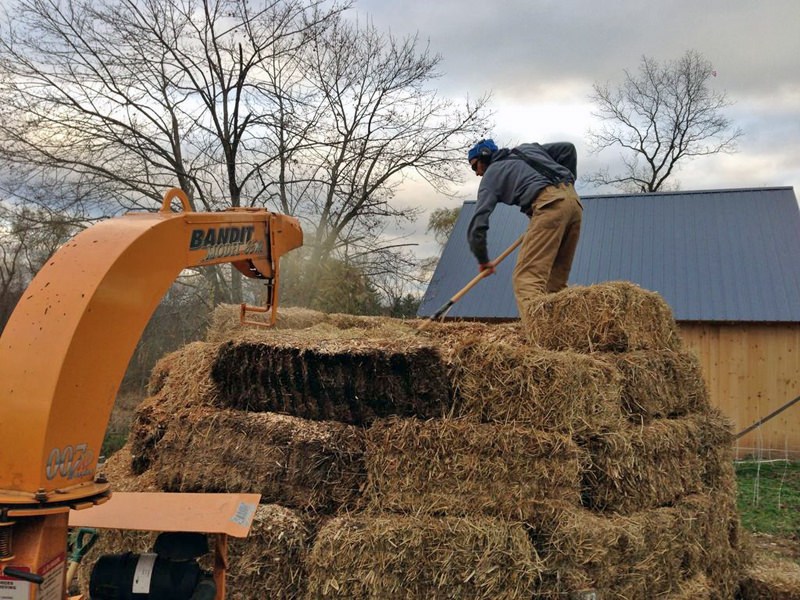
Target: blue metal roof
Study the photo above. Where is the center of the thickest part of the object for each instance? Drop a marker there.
(715, 255)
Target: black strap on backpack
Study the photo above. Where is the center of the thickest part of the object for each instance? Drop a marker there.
(552, 176)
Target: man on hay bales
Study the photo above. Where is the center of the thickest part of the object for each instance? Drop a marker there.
(539, 178)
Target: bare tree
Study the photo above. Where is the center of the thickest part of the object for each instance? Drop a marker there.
(11, 279)
(107, 104)
(658, 118)
(27, 239)
(135, 95)
(276, 103)
(441, 223)
(376, 118)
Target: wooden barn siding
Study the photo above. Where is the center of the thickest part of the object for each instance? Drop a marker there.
(752, 370)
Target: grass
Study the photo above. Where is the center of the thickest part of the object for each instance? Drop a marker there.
(769, 496)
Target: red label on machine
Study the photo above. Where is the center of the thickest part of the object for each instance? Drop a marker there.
(52, 587)
(14, 589)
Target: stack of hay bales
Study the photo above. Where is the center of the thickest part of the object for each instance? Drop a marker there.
(659, 489)
(327, 375)
(771, 577)
(622, 478)
(574, 452)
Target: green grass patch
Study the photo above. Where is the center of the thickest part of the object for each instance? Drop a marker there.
(769, 496)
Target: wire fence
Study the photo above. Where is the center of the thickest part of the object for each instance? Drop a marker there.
(761, 450)
(769, 489)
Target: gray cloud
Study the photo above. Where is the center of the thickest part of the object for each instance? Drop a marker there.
(533, 55)
(539, 58)
(527, 45)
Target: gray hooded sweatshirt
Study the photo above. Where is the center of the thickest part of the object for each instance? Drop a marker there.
(511, 180)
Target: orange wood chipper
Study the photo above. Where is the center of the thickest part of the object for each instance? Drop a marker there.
(63, 355)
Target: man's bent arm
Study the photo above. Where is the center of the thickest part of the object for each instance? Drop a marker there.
(479, 225)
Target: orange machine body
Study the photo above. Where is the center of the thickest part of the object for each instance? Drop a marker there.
(66, 347)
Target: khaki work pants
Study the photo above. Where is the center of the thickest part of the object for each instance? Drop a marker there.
(545, 256)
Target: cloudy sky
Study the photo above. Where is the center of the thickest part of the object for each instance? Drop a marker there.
(539, 59)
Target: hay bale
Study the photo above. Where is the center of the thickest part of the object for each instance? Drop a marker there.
(641, 467)
(184, 376)
(402, 557)
(499, 377)
(718, 449)
(269, 562)
(611, 317)
(771, 578)
(119, 472)
(365, 322)
(618, 557)
(147, 428)
(715, 541)
(643, 555)
(696, 588)
(457, 467)
(293, 462)
(449, 335)
(660, 383)
(179, 381)
(341, 375)
(160, 372)
(226, 324)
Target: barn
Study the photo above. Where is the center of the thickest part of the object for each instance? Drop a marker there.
(727, 262)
